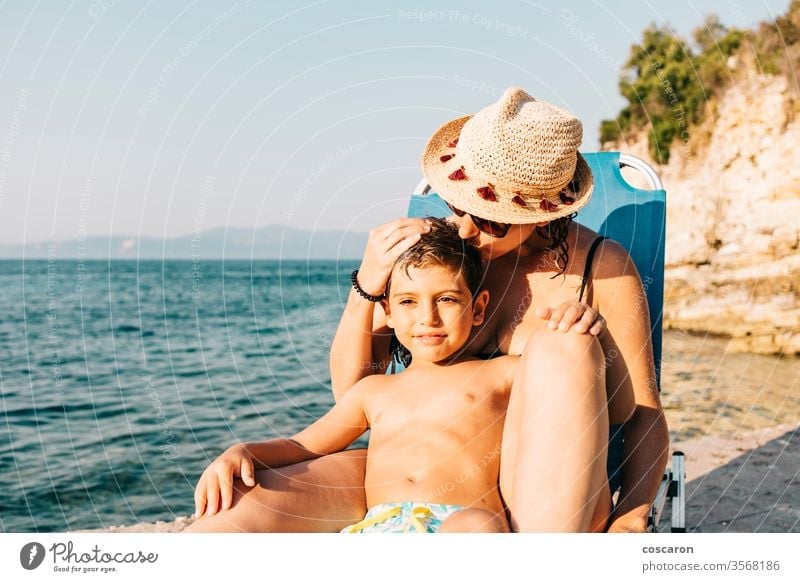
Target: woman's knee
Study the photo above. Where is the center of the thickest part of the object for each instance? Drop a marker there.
(547, 344)
(250, 511)
(555, 355)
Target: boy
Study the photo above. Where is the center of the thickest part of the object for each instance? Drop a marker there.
(434, 451)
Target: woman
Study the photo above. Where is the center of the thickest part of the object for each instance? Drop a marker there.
(513, 178)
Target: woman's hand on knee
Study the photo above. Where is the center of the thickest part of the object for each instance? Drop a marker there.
(574, 315)
(214, 490)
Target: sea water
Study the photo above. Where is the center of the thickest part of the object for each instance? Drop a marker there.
(121, 380)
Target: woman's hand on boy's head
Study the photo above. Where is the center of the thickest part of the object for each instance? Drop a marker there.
(384, 245)
(214, 490)
(573, 315)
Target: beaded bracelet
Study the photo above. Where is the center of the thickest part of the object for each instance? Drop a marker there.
(360, 291)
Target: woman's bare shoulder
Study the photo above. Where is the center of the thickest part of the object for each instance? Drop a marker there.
(610, 260)
(616, 282)
(614, 261)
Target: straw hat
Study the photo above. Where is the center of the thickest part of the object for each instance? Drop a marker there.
(515, 161)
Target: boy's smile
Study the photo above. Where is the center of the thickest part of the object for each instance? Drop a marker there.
(432, 311)
(430, 339)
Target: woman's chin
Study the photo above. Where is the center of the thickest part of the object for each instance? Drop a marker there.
(490, 252)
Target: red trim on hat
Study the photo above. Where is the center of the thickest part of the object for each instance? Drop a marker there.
(459, 174)
(447, 157)
(518, 200)
(487, 193)
(566, 199)
(547, 206)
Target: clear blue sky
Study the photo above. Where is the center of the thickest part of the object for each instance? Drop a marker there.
(163, 118)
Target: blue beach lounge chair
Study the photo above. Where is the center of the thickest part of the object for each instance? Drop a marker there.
(635, 219)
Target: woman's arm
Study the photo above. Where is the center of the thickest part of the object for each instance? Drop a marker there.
(631, 375)
(361, 344)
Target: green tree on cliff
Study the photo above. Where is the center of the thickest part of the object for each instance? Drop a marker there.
(667, 83)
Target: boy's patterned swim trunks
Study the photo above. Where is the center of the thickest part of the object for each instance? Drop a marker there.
(404, 517)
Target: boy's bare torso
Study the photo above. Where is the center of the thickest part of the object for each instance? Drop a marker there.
(436, 433)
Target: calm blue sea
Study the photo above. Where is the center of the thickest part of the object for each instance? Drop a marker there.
(120, 380)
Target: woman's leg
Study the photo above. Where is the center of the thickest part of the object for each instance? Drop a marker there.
(323, 495)
(555, 440)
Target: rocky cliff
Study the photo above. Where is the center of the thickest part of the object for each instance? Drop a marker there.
(733, 218)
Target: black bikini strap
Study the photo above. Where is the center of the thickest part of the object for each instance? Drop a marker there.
(587, 270)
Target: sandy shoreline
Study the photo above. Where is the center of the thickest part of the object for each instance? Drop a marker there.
(745, 483)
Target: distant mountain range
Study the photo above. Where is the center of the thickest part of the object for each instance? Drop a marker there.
(269, 242)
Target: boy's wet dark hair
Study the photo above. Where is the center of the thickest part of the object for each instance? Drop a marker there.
(440, 247)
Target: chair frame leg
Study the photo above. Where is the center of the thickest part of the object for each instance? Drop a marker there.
(678, 496)
(672, 488)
